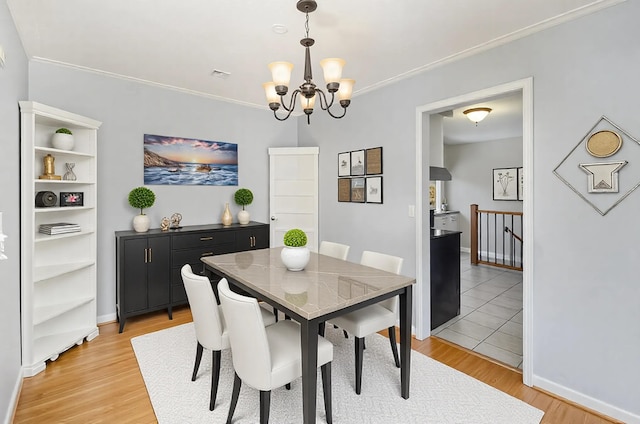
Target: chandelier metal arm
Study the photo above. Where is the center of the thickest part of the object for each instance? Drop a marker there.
(289, 108)
(325, 105)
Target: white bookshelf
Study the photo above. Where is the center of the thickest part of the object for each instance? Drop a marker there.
(58, 272)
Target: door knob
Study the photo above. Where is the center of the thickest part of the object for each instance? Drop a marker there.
(273, 218)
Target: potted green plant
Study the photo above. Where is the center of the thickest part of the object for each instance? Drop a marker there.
(295, 253)
(243, 197)
(62, 139)
(141, 198)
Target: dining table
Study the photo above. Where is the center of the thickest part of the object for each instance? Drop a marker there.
(327, 287)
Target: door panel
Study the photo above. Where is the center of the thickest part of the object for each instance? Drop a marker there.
(293, 195)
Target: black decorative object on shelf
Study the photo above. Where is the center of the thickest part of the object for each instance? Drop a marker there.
(46, 199)
(75, 198)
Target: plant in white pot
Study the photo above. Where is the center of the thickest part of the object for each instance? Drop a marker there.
(62, 139)
(295, 253)
(141, 198)
(243, 197)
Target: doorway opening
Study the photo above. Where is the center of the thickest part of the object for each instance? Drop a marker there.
(424, 135)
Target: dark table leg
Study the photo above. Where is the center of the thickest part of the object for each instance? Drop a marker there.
(309, 346)
(406, 304)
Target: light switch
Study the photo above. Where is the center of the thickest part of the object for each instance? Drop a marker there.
(412, 211)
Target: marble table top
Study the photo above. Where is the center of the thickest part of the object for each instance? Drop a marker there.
(325, 285)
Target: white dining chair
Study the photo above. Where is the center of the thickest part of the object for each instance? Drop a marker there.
(209, 323)
(336, 250)
(373, 318)
(266, 358)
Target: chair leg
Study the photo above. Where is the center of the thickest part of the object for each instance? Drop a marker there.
(346, 335)
(199, 350)
(321, 328)
(326, 389)
(234, 397)
(394, 345)
(275, 312)
(215, 377)
(265, 402)
(359, 348)
(288, 386)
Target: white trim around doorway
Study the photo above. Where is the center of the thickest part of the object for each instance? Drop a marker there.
(422, 291)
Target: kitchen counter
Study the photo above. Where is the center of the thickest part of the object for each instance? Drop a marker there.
(445, 276)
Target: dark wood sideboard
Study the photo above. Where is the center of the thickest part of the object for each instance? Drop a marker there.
(148, 264)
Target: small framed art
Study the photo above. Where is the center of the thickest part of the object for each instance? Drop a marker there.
(374, 161)
(357, 162)
(357, 190)
(344, 189)
(505, 184)
(344, 164)
(75, 198)
(374, 189)
(520, 184)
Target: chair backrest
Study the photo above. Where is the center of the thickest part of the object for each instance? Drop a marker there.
(336, 250)
(386, 263)
(208, 322)
(248, 337)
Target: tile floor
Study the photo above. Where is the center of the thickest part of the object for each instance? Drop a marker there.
(490, 320)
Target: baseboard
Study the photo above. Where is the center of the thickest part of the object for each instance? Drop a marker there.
(107, 318)
(586, 401)
(13, 404)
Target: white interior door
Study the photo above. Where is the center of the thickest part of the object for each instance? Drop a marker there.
(293, 193)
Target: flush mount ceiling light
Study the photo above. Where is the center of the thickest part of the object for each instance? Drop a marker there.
(281, 74)
(477, 114)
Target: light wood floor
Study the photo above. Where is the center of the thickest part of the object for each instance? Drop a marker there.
(99, 381)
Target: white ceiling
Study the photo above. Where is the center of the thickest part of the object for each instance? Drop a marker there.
(179, 44)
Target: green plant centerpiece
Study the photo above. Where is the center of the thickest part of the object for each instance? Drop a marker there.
(62, 139)
(295, 253)
(243, 197)
(141, 198)
(295, 238)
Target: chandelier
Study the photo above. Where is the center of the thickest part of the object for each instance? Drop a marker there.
(332, 68)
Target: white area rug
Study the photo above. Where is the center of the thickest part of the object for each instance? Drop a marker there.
(439, 394)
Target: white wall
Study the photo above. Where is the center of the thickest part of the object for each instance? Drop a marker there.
(13, 87)
(130, 109)
(472, 165)
(586, 335)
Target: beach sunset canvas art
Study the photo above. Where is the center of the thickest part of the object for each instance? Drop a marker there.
(188, 161)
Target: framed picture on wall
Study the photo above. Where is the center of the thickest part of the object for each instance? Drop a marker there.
(520, 184)
(344, 164)
(505, 184)
(374, 189)
(357, 162)
(344, 189)
(357, 190)
(374, 161)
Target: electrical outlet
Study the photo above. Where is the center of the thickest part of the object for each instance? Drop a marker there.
(412, 211)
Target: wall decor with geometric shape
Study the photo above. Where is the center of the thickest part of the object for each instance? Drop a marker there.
(603, 184)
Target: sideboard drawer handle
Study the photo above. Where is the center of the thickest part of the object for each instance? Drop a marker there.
(206, 238)
(206, 254)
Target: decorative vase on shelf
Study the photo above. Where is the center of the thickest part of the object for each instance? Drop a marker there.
(227, 218)
(69, 175)
(62, 141)
(141, 223)
(295, 258)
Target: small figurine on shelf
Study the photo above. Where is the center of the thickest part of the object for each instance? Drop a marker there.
(69, 175)
(175, 221)
(164, 224)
